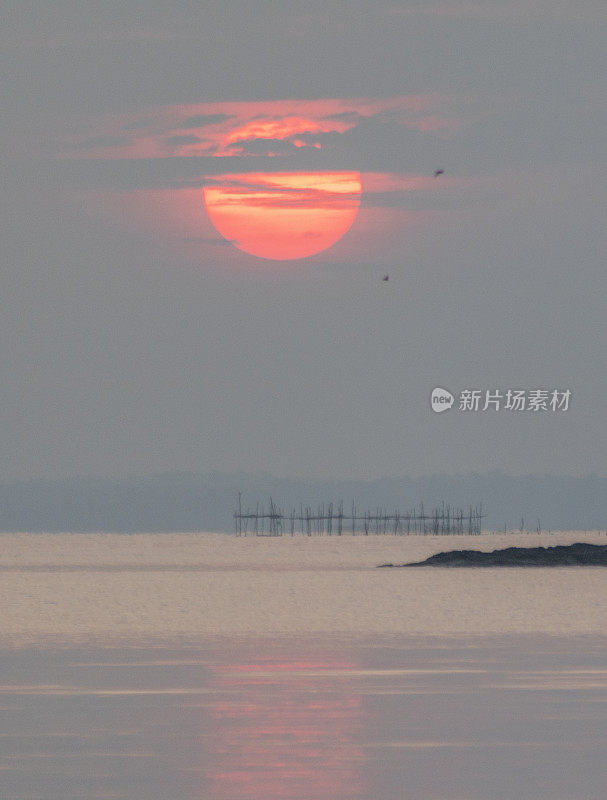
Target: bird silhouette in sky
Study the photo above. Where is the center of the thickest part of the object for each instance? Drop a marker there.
(438, 172)
(386, 278)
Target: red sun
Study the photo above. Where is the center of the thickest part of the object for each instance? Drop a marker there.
(281, 215)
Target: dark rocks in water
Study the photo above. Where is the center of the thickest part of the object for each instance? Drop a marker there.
(572, 555)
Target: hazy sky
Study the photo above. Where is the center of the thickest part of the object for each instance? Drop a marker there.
(136, 339)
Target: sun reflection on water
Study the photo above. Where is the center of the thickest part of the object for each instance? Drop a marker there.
(283, 732)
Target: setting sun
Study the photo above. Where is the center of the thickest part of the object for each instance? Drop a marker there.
(283, 216)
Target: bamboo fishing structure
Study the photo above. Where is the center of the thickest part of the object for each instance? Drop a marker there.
(331, 520)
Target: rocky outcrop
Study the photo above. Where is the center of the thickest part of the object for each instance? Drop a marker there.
(572, 555)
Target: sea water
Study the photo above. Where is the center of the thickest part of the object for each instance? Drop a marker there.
(182, 666)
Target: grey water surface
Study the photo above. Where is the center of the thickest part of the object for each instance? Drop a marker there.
(518, 717)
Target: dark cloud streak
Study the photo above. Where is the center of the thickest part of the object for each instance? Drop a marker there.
(202, 120)
(179, 141)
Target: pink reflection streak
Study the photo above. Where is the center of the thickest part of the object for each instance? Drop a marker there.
(285, 730)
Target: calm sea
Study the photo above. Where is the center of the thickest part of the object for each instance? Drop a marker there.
(151, 668)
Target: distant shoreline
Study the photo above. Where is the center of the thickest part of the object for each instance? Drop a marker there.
(578, 554)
